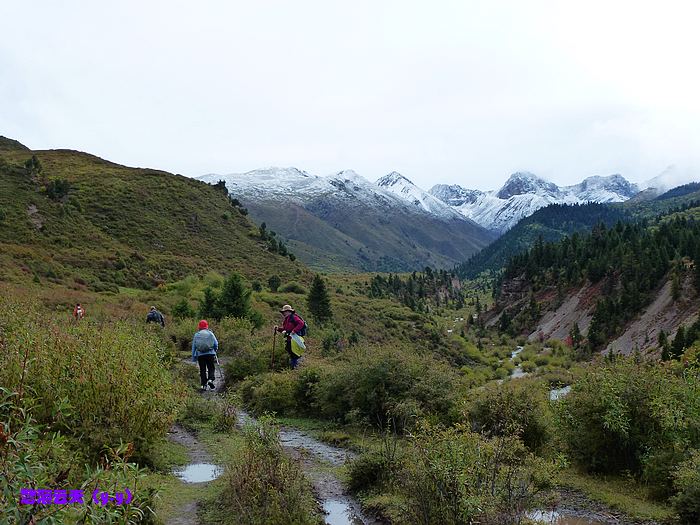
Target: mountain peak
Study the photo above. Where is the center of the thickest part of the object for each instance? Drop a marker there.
(454, 194)
(522, 182)
(281, 172)
(392, 178)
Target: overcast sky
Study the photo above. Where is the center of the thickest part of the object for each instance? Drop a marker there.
(442, 91)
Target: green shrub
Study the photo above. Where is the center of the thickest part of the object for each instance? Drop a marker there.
(370, 472)
(183, 310)
(292, 287)
(454, 476)
(274, 283)
(57, 189)
(245, 363)
(196, 410)
(528, 366)
(619, 416)
(34, 455)
(226, 415)
(371, 383)
(686, 481)
(514, 408)
(271, 392)
(180, 332)
(261, 486)
(542, 360)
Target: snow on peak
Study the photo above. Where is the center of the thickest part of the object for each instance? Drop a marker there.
(524, 193)
(400, 186)
(392, 178)
(613, 188)
(523, 182)
(454, 194)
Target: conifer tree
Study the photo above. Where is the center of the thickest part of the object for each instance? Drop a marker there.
(207, 307)
(274, 282)
(234, 300)
(318, 301)
(183, 310)
(679, 343)
(576, 337)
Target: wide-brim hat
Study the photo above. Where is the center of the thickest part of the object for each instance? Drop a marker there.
(286, 308)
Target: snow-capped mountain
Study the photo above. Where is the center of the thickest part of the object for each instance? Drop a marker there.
(524, 193)
(406, 190)
(344, 220)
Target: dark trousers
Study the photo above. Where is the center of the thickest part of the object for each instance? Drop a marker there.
(206, 364)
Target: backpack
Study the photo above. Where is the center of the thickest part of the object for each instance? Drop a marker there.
(204, 341)
(305, 329)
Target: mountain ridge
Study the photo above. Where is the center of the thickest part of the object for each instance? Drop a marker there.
(369, 227)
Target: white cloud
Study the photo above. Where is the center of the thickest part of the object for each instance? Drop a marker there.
(449, 91)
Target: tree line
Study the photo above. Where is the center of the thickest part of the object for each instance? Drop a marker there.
(420, 291)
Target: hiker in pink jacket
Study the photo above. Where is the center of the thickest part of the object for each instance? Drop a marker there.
(292, 324)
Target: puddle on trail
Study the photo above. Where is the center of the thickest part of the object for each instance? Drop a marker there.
(295, 439)
(340, 512)
(198, 473)
(552, 517)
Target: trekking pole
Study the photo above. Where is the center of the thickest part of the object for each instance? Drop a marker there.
(272, 358)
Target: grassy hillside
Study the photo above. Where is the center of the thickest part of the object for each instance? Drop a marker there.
(86, 222)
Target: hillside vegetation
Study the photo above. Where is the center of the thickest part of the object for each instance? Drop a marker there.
(75, 219)
(627, 264)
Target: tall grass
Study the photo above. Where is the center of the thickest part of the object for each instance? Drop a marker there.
(262, 485)
(111, 381)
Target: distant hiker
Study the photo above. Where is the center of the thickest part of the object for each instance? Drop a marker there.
(78, 312)
(204, 347)
(154, 316)
(293, 325)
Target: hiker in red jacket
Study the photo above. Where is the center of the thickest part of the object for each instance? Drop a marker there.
(292, 324)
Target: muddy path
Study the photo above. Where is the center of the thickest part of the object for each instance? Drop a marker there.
(318, 460)
(200, 468)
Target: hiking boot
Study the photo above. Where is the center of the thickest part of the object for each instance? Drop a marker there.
(204, 388)
(211, 384)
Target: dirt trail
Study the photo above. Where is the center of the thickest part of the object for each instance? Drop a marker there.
(187, 513)
(315, 457)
